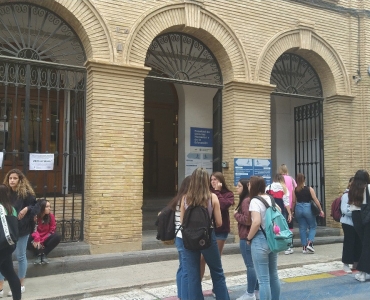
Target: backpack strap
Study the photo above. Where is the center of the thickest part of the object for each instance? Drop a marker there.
(267, 206)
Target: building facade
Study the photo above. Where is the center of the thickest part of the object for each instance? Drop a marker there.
(131, 95)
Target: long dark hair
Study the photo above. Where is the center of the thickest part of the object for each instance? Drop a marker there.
(300, 182)
(182, 191)
(257, 186)
(358, 185)
(4, 198)
(245, 193)
(42, 204)
(220, 177)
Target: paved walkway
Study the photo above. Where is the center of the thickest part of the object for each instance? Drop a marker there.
(159, 277)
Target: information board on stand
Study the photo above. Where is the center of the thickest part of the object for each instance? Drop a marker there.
(247, 167)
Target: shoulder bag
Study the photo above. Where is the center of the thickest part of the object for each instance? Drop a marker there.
(8, 229)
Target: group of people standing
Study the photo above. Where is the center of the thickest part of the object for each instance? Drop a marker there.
(356, 243)
(36, 226)
(200, 189)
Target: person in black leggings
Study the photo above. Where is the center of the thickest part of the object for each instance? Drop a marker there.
(6, 262)
(44, 239)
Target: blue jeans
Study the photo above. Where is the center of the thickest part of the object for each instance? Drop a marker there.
(252, 282)
(20, 253)
(306, 220)
(265, 264)
(213, 260)
(182, 272)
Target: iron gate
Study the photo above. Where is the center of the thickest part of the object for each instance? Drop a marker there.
(309, 154)
(42, 107)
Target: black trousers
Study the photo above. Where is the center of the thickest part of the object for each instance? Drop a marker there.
(352, 245)
(49, 244)
(6, 268)
(364, 233)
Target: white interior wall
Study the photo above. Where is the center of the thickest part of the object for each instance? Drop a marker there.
(195, 110)
(282, 131)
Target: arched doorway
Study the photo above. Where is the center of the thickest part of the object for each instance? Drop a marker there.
(42, 103)
(186, 76)
(297, 120)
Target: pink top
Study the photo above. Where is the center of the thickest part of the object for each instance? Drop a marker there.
(44, 230)
(290, 185)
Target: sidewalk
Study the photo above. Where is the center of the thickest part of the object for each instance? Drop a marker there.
(85, 284)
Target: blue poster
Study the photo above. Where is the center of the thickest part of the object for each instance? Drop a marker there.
(247, 167)
(201, 137)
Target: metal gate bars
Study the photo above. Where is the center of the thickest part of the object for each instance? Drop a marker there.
(42, 110)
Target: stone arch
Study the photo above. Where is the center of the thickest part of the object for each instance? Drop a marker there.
(86, 21)
(316, 50)
(191, 18)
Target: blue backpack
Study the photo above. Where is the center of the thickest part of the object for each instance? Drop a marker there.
(279, 241)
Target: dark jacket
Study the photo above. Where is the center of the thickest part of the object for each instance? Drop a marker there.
(26, 224)
(226, 199)
(243, 217)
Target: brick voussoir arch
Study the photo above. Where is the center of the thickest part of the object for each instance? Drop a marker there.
(291, 39)
(86, 21)
(228, 48)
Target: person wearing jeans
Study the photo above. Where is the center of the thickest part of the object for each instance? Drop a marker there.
(264, 260)
(304, 215)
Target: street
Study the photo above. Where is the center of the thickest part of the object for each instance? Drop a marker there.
(315, 281)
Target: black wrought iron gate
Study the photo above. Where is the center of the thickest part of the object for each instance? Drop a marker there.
(43, 107)
(309, 147)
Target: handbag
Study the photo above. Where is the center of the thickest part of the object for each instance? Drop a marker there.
(8, 229)
(365, 209)
(314, 208)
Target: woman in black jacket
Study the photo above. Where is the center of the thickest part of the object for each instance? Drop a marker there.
(23, 199)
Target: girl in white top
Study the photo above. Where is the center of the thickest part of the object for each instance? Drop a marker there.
(264, 260)
(357, 197)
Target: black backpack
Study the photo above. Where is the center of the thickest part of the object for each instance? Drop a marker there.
(166, 226)
(196, 228)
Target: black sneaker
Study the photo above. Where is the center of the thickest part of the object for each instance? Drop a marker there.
(37, 260)
(310, 248)
(44, 259)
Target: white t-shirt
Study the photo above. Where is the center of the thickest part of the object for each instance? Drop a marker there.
(258, 206)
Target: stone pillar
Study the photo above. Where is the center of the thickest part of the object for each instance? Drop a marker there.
(246, 126)
(114, 156)
(338, 148)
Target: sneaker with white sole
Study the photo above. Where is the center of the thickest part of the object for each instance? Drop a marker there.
(247, 296)
(347, 269)
(257, 294)
(310, 248)
(361, 276)
(23, 289)
(289, 251)
(304, 250)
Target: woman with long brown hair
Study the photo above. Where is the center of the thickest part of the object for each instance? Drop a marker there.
(304, 215)
(357, 196)
(23, 200)
(199, 194)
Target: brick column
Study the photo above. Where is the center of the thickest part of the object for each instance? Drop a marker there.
(114, 157)
(338, 148)
(246, 126)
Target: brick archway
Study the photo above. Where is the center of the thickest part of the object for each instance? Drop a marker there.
(195, 20)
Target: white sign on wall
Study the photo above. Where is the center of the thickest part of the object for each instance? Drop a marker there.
(41, 161)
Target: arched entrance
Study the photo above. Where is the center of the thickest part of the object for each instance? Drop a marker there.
(297, 120)
(183, 90)
(42, 103)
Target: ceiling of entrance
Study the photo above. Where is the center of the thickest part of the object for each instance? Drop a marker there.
(183, 57)
(294, 75)
(32, 32)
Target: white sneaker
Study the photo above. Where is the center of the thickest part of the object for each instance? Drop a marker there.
(361, 276)
(2, 294)
(289, 251)
(257, 294)
(246, 296)
(310, 248)
(304, 251)
(23, 289)
(347, 269)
